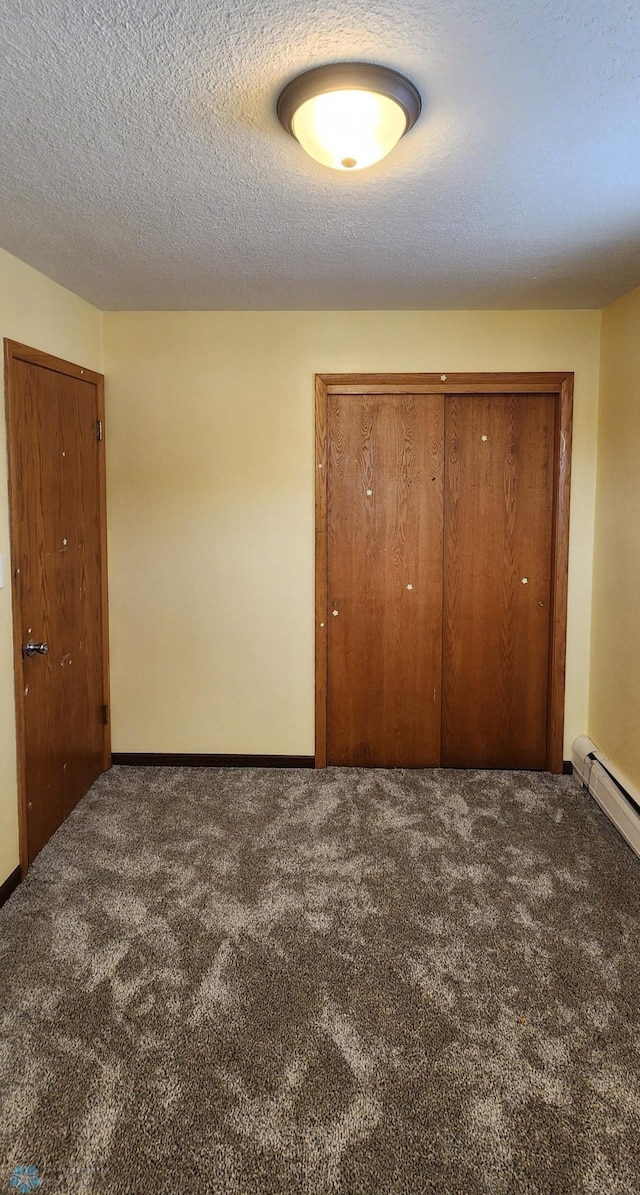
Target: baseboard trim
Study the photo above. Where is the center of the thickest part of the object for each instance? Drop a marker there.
(10, 885)
(169, 759)
(164, 759)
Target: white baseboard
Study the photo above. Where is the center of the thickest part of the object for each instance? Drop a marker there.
(615, 796)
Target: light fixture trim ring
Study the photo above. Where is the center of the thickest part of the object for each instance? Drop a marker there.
(348, 76)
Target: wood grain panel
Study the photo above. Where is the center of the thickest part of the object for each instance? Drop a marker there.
(444, 383)
(14, 351)
(58, 534)
(562, 470)
(37, 510)
(80, 645)
(384, 517)
(498, 534)
(559, 387)
(321, 630)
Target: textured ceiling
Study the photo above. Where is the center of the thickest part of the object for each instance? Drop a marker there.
(143, 165)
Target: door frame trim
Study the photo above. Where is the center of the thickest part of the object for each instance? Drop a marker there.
(13, 352)
(560, 385)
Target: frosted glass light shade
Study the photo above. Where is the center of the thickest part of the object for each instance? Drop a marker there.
(349, 129)
(349, 115)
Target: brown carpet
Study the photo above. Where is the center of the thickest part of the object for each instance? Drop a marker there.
(292, 982)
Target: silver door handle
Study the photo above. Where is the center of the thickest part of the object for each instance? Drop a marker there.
(35, 649)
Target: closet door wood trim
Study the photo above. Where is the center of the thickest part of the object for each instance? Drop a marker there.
(558, 384)
(560, 573)
(322, 574)
(448, 383)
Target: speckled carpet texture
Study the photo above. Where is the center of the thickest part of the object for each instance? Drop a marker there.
(324, 983)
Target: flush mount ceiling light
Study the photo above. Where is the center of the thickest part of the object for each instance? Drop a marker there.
(350, 114)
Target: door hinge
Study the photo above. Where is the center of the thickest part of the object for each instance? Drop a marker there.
(98, 429)
(105, 715)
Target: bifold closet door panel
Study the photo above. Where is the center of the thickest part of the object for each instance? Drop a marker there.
(385, 522)
(499, 452)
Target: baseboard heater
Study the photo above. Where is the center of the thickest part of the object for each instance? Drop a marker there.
(609, 788)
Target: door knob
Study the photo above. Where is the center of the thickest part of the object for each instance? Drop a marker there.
(35, 649)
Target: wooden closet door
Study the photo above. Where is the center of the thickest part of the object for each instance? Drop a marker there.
(384, 515)
(498, 523)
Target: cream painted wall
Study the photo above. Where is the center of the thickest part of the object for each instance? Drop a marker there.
(42, 314)
(614, 722)
(211, 509)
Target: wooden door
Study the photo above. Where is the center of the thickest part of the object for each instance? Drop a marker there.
(55, 421)
(498, 560)
(384, 518)
(471, 673)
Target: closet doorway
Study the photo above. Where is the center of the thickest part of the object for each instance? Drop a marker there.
(442, 507)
